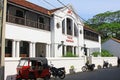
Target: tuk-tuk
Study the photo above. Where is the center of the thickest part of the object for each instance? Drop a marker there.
(33, 68)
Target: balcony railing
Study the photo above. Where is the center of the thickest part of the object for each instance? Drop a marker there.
(27, 22)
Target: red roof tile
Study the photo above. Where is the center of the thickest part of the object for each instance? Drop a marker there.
(116, 40)
(29, 5)
(90, 29)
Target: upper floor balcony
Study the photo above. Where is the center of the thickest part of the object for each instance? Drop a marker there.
(27, 22)
(28, 17)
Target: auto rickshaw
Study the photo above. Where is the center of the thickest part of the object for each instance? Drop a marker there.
(33, 68)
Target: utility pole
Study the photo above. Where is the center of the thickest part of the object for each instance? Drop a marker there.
(3, 4)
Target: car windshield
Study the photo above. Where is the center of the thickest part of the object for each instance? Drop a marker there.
(23, 63)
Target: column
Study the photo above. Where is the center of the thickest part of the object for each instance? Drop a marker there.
(64, 50)
(13, 48)
(73, 50)
(17, 48)
(73, 28)
(34, 49)
(30, 49)
(47, 51)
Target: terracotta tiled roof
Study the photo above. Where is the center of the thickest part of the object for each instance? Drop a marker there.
(53, 10)
(90, 29)
(29, 5)
(116, 40)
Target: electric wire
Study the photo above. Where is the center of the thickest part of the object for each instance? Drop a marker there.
(72, 10)
(81, 19)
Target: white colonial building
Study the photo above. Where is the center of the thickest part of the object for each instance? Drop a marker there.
(33, 31)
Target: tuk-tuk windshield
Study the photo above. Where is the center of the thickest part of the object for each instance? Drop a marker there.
(23, 63)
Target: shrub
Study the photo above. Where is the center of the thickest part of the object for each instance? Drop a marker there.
(69, 54)
(104, 53)
(72, 67)
(95, 54)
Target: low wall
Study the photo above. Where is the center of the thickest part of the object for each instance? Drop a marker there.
(99, 61)
(68, 62)
(10, 68)
(11, 64)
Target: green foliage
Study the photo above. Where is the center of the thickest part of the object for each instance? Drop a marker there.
(95, 54)
(107, 24)
(104, 53)
(72, 67)
(69, 54)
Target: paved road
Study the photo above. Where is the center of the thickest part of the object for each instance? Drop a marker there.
(101, 74)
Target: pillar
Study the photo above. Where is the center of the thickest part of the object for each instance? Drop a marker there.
(30, 49)
(34, 53)
(13, 48)
(17, 48)
(73, 50)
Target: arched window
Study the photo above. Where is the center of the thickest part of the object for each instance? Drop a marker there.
(69, 26)
(75, 30)
(63, 26)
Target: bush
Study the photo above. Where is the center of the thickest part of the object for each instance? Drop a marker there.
(69, 54)
(96, 54)
(104, 53)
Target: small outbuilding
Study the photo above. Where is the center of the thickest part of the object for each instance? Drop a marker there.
(113, 46)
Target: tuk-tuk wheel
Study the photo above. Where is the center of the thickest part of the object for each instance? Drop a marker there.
(47, 78)
(18, 79)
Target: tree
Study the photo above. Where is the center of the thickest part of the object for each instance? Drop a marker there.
(107, 24)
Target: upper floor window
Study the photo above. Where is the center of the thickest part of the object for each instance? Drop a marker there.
(69, 26)
(19, 13)
(75, 30)
(41, 22)
(21, 16)
(63, 26)
(91, 35)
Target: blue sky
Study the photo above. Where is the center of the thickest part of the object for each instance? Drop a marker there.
(84, 8)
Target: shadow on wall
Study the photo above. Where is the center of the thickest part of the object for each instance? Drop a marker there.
(11, 77)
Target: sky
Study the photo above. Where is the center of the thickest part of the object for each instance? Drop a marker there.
(86, 9)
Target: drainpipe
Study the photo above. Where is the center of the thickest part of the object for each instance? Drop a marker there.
(2, 36)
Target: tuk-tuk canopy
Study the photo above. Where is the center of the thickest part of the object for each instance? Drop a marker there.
(38, 59)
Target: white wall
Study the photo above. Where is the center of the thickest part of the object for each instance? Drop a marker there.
(19, 32)
(11, 64)
(68, 62)
(10, 68)
(77, 62)
(92, 44)
(99, 61)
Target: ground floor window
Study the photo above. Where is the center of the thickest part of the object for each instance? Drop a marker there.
(18, 48)
(24, 49)
(69, 50)
(8, 48)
